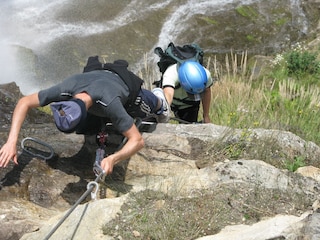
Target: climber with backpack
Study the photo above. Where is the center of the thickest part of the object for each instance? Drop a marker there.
(184, 81)
(104, 91)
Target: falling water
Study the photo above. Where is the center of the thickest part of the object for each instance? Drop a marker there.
(42, 30)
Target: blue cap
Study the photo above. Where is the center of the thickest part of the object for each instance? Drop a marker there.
(69, 115)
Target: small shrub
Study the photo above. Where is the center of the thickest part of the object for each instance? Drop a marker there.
(300, 63)
(297, 162)
(247, 11)
(45, 109)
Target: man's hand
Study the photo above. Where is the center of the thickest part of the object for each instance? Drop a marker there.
(8, 152)
(206, 119)
(107, 164)
(9, 149)
(134, 143)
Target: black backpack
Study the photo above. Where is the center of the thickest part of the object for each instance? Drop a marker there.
(177, 54)
(119, 67)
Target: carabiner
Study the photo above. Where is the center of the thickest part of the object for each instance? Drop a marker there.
(94, 192)
(39, 142)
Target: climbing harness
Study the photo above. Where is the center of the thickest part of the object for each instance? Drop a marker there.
(100, 153)
(101, 140)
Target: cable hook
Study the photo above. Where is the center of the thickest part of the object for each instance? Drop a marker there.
(95, 188)
(39, 142)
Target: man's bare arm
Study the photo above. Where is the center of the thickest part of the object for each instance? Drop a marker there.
(206, 100)
(9, 149)
(133, 145)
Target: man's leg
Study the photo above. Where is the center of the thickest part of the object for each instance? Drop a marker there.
(149, 104)
(164, 111)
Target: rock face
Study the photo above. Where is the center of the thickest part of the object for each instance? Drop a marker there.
(178, 160)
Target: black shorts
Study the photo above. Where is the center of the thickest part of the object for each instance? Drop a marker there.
(189, 114)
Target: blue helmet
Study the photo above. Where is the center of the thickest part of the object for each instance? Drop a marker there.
(193, 77)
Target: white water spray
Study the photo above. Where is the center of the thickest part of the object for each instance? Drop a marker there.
(34, 25)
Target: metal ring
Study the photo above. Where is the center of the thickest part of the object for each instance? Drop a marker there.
(94, 187)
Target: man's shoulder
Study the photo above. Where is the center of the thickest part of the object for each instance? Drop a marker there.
(209, 78)
(171, 69)
(170, 76)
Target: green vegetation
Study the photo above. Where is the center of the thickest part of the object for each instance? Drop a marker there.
(302, 64)
(236, 149)
(247, 11)
(45, 109)
(295, 164)
(250, 38)
(284, 96)
(281, 21)
(209, 20)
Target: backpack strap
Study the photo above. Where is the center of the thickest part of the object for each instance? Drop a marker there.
(176, 54)
(119, 67)
(93, 64)
(133, 82)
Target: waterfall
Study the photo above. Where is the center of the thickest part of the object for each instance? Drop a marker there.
(177, 21)
(42, 27)
(299, 16)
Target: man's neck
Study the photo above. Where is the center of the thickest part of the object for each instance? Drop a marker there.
(85, 97)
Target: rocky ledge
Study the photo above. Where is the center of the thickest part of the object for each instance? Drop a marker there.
(179, 161)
